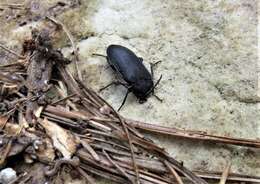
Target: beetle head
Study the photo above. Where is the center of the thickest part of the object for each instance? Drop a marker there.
(141, 89)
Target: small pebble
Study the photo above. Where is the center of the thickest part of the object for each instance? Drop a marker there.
(7, 175)
(105, 110)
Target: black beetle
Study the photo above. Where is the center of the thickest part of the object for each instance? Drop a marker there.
(136, 77)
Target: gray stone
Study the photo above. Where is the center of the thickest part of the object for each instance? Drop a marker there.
(7, 175)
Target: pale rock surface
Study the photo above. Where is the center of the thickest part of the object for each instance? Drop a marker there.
(209, 65)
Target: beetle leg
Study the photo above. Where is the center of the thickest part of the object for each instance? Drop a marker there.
(114, 83)
(107, 67)
(124, 84)
(110, 84)
(140, 59)
(95, 54)
(156, 63)
(128, 91)
(158, 81)
(152, 65)
(158, 98)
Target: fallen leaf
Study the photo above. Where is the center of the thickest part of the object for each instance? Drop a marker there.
(45, 150)
(38, 111)
(62, 140)
(3, 121)
(11, 129)
(19, 145)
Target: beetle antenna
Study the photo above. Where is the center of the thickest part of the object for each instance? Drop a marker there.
(95, 54)
(151, 90)
(124, 100)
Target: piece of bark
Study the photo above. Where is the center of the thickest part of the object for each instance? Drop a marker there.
(38, 73)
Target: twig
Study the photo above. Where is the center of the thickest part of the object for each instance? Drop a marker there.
(232, 177)
(63, 92)
(66, 113)
(18, 178)
(117, 166)
(103, 174)
(90, 150)
(13, 6)
(10, 4)
(61, 120)
(23, 181)
(113, 144)
(146, 179)
(93, 95)
(149, 173)
(105, 167)
(122, 121)
(195, 135)
(12, 52)
(225, 174)
(75, 51)
(63, 99)
(89, 179)
(175, 174)
(12, 64)
(186, 172)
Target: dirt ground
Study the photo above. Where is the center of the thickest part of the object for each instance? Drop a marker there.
(209, 55)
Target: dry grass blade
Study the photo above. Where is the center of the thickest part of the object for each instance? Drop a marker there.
(117, 166)
(132, 151)
(12, 52)
(232, 177)
(75, 51)
(89, 179)
(12, 5)
(90, 150)
(13, 64)
(63, 99)
(175, 174)
(225, 174)
(129, 141)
